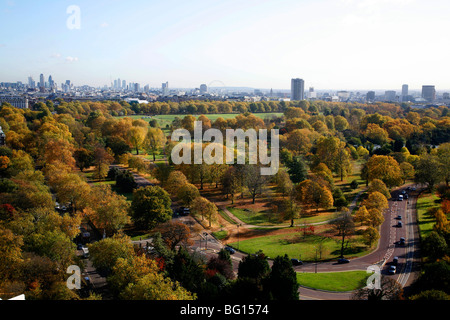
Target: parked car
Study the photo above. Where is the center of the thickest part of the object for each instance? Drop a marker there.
(342, 260)
(296, 262)
(230, 250)
(392, 270)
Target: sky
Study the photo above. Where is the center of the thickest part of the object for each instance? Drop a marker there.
(331, 44)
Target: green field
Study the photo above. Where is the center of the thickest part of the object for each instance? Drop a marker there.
(334, 281)
(295, 246)
(426, 222)
(167, 119)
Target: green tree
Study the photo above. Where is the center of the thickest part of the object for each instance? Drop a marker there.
(150, 206)
(282, 281)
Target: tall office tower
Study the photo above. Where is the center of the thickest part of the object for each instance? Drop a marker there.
(51, 83)
(119, 84)
(41, 81)
(429, 93)
(31, 83)
(390, 95)
(405, 93)
(370, 96)
(165, 88)
(115, 84)
(297, 89)
(203, 89)
(124, 85)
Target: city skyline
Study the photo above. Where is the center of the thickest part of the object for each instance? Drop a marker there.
(346, 44)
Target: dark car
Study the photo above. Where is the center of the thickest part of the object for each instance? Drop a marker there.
(392, 270)
(79, 246)
(230, 250)
(395, 261)
(399, 224)
(342, 261)
(402, 241)
(296, 262)
(399, 217)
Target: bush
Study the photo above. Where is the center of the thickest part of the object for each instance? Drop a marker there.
(354, 185)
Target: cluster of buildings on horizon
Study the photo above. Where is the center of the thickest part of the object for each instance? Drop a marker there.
(21, 94)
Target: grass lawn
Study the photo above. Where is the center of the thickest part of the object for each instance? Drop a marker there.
(334, 281)
(426, 222)
(295, 246)
(220, 234)
(167, 119)
(255, 218)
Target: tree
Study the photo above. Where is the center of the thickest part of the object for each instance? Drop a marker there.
(105, 253)
(284, 183)
(434, 246)
(370, 235)
(429, 171)
(175, 180)
(174, 234)
(313, 195)
(408, 171)
(154, 141)
(136, 136)
(254, 181)
(282, 280)
(297, 170)
(11, 257)
(289, 208)
(109, 210)
(231, 182)
(376, 200)
(254, 267)
(385, 168)
(187, 193)
(344, 225)
(375, 217)
(378, 185)
(362, 215)
(203, 207)
(151, 206)
(84, 158)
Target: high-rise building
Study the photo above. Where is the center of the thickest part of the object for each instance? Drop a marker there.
(429, 93)
(41, 81)
(405, 90)
(124, 85)
(390, 95)
(165, 88)
(297, 89)
(370, 96)
(203, 89)
(31, 83)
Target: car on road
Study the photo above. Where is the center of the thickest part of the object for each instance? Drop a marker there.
(79, 246)
(406, 196)
(399, 224)
(399, 217)
(402, 241)
(342, 261)
(230, 250)
(400, 198)
(395, 261)
(296, 262)
(392, 270)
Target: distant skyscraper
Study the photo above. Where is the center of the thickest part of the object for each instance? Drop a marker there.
(405, 90)
(124, 84)
(297, 89)
(429, 93)
(203, 89)
(31, 83)
(165, 88)
(41, 81)
(370, 96)
(390, 95)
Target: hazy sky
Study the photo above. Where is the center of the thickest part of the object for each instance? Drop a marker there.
(331, 44)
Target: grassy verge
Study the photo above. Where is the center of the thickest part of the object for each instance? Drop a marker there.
(426, 222)
(334, 281)
(222, 234)
(295, 246)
